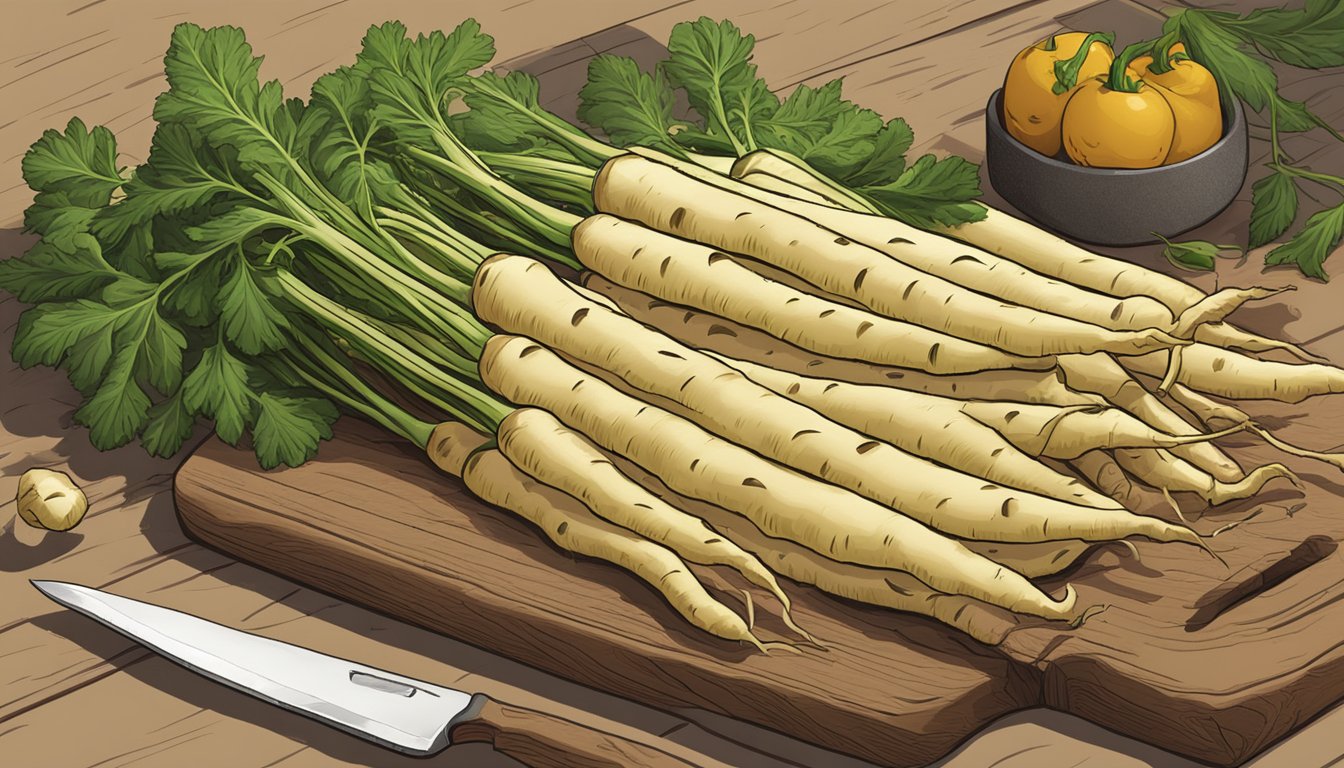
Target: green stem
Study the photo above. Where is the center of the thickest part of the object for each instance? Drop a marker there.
(325, 369)
(1119, 79)
(460, 395)
(1066, 71)
(1335, 183)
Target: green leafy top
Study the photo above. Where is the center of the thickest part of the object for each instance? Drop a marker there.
(711, 62)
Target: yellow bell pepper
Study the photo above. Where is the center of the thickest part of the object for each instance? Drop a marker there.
(1040, 81)
(1118, 121)
(1192, 93)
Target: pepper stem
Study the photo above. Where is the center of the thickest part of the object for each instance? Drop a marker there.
(1162, 56)
(1066, 71)
(1119, 79)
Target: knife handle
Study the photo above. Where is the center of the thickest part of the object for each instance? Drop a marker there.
(542, 740)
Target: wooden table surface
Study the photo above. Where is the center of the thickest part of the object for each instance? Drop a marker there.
(75, 694)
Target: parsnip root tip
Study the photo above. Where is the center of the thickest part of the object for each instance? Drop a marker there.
(1087, 614)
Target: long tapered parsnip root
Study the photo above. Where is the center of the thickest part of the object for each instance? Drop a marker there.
(657, 195)
(574, 528)
(1163, 470)
(1002, 235)
(1066, 433)
(1230, 374)
(1102, 375)
(925, 425)
(785, 504)
(1211, 413)
(535, 442)
(698, 276)
(1041, 251)
(874, 586)
(953, 260)
(508, 291)
(795, 187)
(703, 331)
(1030, 559)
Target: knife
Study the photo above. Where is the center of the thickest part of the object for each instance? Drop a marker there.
(393, 711)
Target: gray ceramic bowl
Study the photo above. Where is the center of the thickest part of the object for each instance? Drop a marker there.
(1083, 203)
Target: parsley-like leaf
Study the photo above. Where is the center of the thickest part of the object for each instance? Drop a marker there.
(1311, 37)
(169, 425)
(79, 163)
(289, 428)
(1273, 207)
(712, 63)
(1310, 247)
(248, 312)
(218, 389)
(628, 105)
(887, 159)
(932, 192)
(50, 273)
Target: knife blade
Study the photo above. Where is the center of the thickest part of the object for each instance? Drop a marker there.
(391, 710)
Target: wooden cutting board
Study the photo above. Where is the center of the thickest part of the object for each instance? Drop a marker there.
(1215, 663)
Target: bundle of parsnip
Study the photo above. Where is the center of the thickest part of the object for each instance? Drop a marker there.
(729, 363)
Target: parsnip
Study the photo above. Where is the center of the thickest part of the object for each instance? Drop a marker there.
(1163, 470)
(707, 332)
(698, 276)
(574, 528)
(824, 518)
(659, 196)
(1101, 374)
(1220, 372)
(729, 404)
(535, 442)
(935, 428)
(874, 586)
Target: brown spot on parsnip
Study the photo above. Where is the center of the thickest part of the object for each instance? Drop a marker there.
(902, 591)
(841, 241)
(862, 329)
(906, 294)
(662, 268)
(826, 313)
(830, 386)
(529, 349)
(1007, 507)
(717, 256)
(752, 482)
(666, 353)
(792, 243)
(677, 216)
(968, 257)
(940, 504)
(1009, 416)
(560, 529)
(578, 316)
(866, 446)
(721, 330)
(1218, 364)
(694, 463)
(894, 375)
(740, 215)
(933, 352)
(895, 240)
(858, 279)
(794, 387)
(802, 432)
(790, 301)
(1115, 313)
